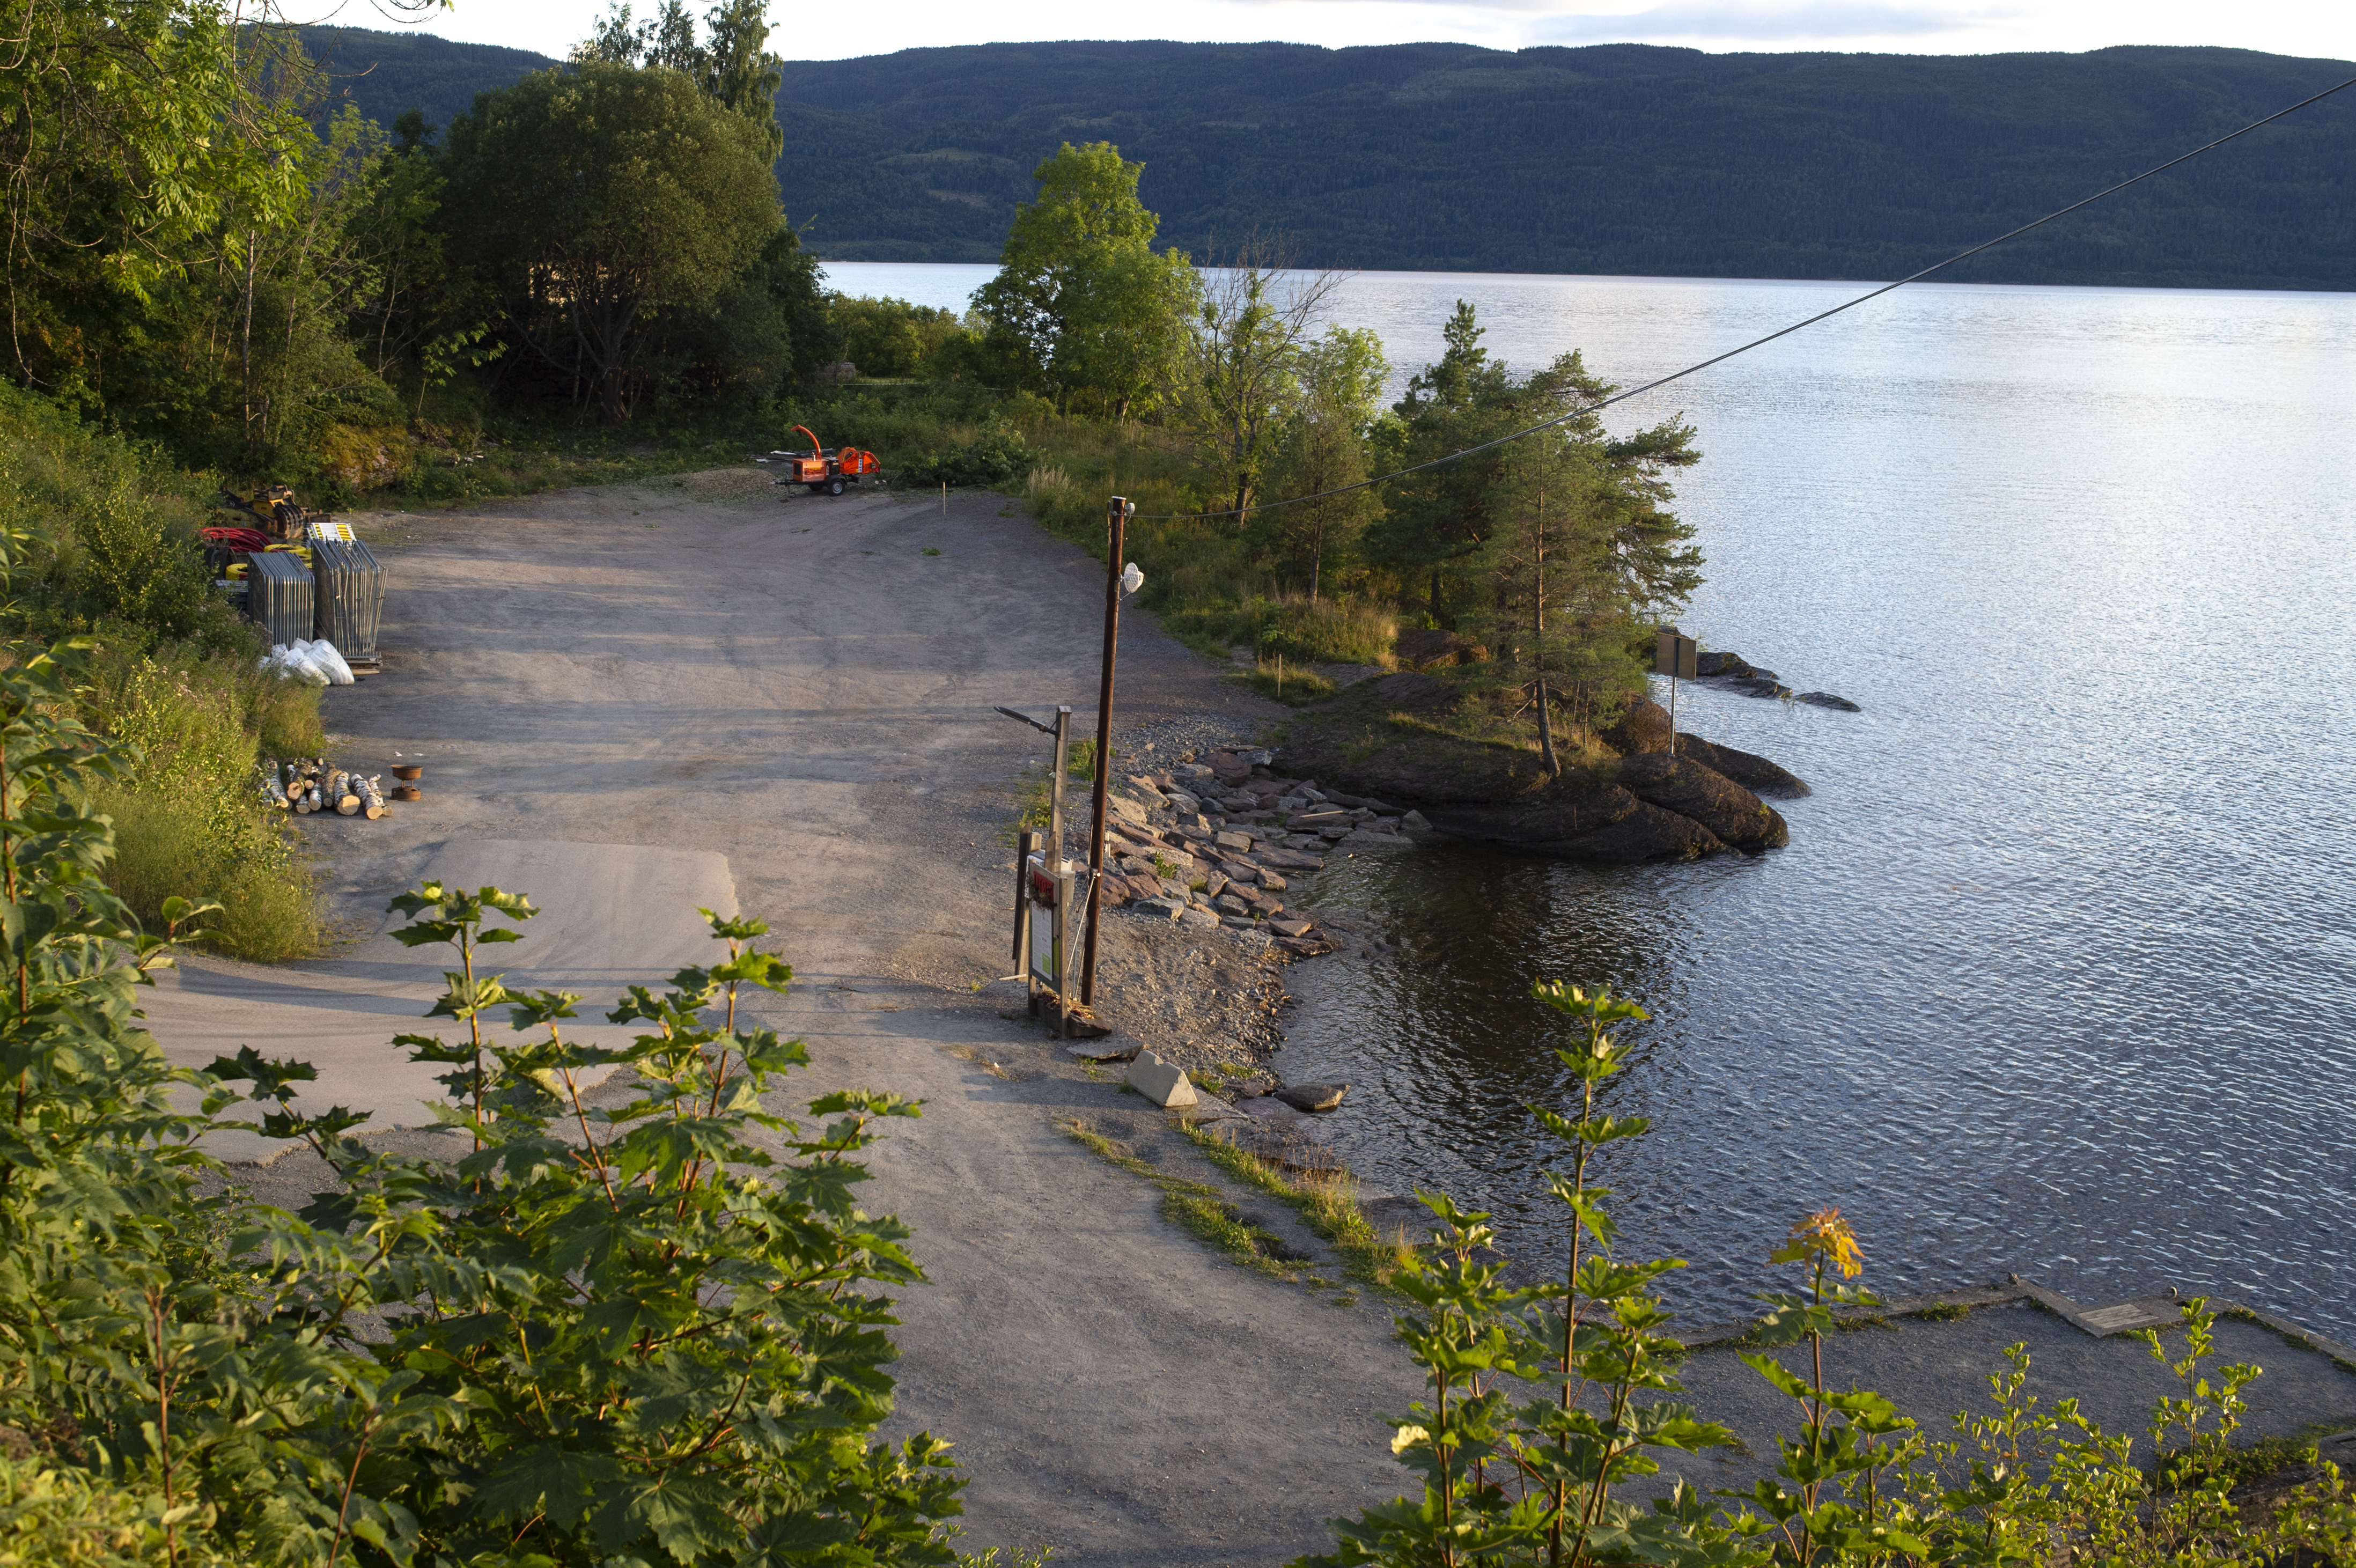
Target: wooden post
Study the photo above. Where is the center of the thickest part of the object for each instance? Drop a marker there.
(1116, 528)
(1024, 842)
(1055, 869)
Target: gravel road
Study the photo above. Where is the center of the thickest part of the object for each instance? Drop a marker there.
(691, 687)
(797, 687)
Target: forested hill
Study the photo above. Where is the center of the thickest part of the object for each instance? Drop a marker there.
(1618, 158)
(386, 74)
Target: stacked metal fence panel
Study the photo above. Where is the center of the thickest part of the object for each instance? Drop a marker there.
(279, 595)
(350, 600)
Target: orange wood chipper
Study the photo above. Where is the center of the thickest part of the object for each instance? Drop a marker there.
(827, 468)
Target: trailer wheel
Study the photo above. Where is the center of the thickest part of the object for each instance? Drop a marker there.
(835, 489)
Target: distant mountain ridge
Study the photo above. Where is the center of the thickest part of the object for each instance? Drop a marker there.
(387, 73)
(1615, 158)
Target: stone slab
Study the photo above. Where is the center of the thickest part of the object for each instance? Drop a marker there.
(612, 916)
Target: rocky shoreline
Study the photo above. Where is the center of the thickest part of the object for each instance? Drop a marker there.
(1665, 797)
(1743, 676)
(1224, 840)
(1218, 844)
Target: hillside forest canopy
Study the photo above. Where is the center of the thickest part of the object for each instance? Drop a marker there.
(1617, 158)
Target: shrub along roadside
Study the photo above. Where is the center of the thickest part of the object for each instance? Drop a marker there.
(187, 821)
(102, 535)
(659, 1342)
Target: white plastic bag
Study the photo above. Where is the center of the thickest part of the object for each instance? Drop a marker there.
(294, 660)
(323, 654)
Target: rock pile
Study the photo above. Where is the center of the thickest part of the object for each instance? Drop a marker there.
(1218, 843)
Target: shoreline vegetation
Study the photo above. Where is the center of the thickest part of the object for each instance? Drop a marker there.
(657, 1331)
(588, 277)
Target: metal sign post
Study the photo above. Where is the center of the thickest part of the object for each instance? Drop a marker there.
(1677, 656)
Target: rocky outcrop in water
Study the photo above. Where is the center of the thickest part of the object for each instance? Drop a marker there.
(1753, 772)
(1373, 738)
(1740, 819)
(1746, 678)
(1644, 727)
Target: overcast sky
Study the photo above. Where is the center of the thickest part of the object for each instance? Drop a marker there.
(2317, 28)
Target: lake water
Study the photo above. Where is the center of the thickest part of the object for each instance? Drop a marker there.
(2058, 975)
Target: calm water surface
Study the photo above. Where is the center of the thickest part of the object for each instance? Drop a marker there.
(2058, 975)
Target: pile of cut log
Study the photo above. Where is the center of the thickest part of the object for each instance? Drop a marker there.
(304, 787)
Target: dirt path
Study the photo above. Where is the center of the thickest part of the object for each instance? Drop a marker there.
(800, 688)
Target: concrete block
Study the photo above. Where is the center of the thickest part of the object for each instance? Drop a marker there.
(1164, 1083)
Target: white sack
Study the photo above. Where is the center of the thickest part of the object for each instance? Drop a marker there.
(323, 655)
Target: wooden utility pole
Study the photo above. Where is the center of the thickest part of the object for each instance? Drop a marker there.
(1117, 534)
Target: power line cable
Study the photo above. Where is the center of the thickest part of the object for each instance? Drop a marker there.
(1756, 342)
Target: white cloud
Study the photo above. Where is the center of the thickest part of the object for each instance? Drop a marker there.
(1805, 24)
(2312, 28)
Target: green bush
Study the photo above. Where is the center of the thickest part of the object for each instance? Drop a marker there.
(658, 1343)
(60, 1517)
(188, 815)
(996, 455)
(1547, 1401)
(106, 532)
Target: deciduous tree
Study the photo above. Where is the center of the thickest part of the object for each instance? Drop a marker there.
(1083, 304)
(597, 199)
(1325, 452)
(1241, 377)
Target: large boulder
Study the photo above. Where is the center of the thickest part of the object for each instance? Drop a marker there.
(1420, 649)
(1753, 772)
(1376, 740)
(1410, 692)
(1558, 815)
(1648, 833)
(1710, 665)
(1736, 816)
(1643, 729)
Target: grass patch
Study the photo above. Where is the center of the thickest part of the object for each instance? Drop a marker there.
(190, 820)
(1295, 685)
(1007, 1557)
(1199, 1209)
(113, 556)
(1859, 1325)
(2237, 1467)
(1328, 1208)
(2289, 1337)
(1943, 1312)
(269, 910)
